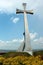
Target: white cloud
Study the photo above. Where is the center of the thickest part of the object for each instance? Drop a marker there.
(40, 40)
(18, 40)
(33, 35)
(38, 43)
(9, 6)
(10, 45)
(14, 20)
(2, 43)
(35, 40)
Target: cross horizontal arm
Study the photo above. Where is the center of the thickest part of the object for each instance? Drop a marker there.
(22, 11)
(29, 12)
(19, 11)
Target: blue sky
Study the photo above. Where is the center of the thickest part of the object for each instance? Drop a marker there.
(12, 25)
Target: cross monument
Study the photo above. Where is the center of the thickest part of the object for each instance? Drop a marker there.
(26, 33)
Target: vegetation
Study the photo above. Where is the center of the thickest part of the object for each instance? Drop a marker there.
(12, 58)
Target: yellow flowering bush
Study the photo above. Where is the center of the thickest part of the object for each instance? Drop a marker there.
(21, 60)
(2, 58)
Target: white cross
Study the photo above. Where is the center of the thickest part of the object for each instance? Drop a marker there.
(26, 32)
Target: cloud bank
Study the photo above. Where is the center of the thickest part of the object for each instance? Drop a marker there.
(37, 43)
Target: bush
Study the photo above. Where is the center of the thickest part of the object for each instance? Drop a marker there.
(21, 60)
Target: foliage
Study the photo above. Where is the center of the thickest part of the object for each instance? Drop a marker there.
(21, 60)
